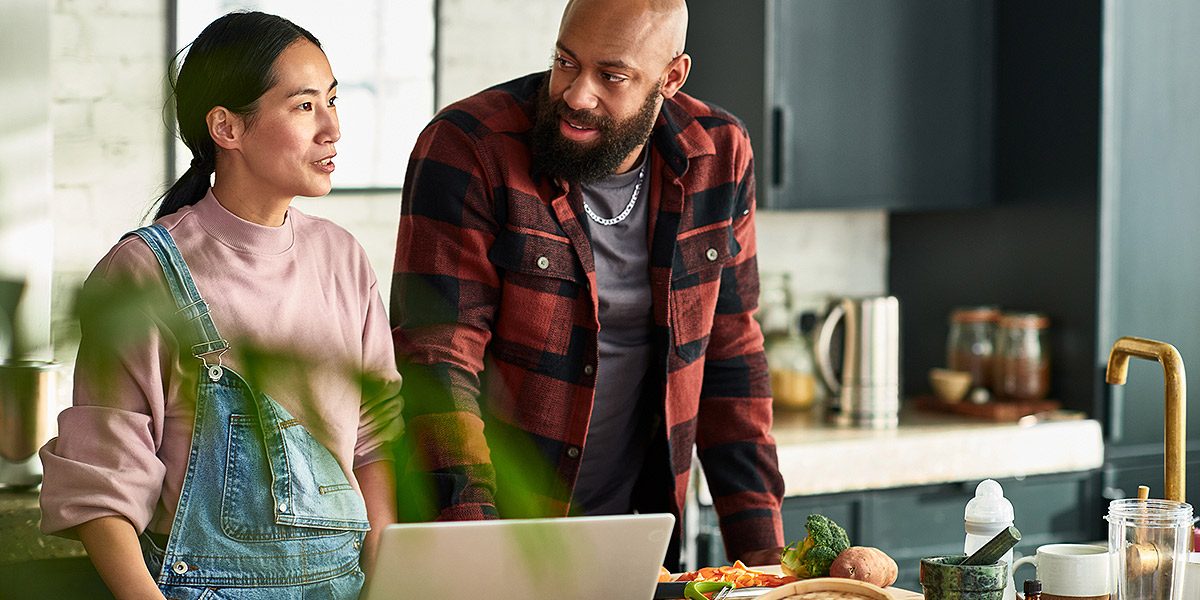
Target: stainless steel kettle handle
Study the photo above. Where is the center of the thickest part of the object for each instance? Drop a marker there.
(821, 352)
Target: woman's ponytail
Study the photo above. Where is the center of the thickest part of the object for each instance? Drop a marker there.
(188, 189)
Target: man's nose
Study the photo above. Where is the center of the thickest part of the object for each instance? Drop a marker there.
(580, 94)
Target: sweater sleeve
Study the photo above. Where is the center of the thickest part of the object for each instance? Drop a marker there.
(380, 422)
(105, 460)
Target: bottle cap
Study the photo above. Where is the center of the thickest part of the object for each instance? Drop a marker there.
(1032, 586)
(989, 509)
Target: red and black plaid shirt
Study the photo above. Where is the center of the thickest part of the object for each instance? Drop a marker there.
(495, 315)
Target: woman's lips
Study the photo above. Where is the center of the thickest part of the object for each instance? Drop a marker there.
(325, 164)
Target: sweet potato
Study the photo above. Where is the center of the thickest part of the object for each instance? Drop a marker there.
(865, 563)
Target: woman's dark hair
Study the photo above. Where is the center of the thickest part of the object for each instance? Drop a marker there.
(229, 64)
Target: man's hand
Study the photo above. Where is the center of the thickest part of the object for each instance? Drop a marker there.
(762, 558)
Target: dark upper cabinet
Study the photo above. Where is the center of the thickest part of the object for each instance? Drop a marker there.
(854, 103)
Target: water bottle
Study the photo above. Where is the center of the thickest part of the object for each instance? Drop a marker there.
(987, 514)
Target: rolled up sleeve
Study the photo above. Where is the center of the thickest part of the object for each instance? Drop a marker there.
(106, 466)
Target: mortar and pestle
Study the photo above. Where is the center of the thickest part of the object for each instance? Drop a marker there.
(980, 576)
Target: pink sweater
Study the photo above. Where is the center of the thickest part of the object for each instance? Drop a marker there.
(304, 289)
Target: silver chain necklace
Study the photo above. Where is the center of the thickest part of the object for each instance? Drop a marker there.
(628, 208)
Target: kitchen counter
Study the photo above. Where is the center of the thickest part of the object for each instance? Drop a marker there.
(928, 448)
(814, 457)
(20, 539)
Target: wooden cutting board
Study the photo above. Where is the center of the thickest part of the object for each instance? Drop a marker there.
(895, 592)
(995, 410)
(859, 589)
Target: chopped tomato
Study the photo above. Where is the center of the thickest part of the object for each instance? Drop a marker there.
(739, 574)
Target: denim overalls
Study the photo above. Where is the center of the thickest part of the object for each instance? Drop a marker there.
(265, 510)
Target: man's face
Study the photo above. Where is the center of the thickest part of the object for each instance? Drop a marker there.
(582, 146)
(604, 91)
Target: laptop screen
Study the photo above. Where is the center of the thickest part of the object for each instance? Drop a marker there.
(581, 558)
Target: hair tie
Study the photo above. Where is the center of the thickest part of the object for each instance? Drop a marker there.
(197, 162)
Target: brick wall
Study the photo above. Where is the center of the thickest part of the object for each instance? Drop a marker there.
(108, 69)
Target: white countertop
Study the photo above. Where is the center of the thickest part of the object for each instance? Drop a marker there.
(927, 448)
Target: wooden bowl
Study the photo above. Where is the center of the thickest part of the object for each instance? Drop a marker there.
(950, 386)
(821, 587)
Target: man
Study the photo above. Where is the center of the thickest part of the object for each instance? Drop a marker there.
(574, 283)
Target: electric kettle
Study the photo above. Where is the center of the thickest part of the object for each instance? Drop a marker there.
(868, 391)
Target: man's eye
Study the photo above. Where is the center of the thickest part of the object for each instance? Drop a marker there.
(614, 78)
(562, 63)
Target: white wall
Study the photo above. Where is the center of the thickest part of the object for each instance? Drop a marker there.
(26, 233)
(108, 67)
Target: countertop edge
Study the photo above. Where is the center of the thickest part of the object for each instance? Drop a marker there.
(839, 462)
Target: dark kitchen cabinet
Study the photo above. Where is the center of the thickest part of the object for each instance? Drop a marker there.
(1094, 218)
(854, 103)
(910, 523)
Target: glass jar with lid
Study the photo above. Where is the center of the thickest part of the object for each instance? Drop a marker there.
(1022, 363)
(970, 345)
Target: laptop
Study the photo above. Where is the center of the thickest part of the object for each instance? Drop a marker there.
(577, 558)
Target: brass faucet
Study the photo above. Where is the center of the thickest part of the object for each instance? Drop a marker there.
(1176, 400)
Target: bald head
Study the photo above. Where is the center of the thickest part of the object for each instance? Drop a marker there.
(656, 26)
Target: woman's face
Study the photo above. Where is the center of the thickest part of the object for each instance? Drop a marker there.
(288, 145)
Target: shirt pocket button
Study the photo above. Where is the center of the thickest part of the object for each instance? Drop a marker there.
(543, 263)
(711, 254)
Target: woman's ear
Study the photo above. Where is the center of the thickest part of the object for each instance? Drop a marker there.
(225, 127)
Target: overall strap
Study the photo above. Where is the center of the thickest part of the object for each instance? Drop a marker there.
(205, 338)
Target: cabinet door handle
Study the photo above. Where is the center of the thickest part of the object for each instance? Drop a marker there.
(779, 130)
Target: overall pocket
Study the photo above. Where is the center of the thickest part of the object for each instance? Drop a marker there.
(281, 483)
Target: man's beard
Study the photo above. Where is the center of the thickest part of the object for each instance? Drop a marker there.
(577, 163)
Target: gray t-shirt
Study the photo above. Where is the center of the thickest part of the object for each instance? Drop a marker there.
(616, 441)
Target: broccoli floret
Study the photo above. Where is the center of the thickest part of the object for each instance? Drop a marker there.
(812, 557)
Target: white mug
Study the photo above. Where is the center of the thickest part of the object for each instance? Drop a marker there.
(1191, 581)
(1070, 571)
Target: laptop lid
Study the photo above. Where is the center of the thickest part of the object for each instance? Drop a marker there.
(581, 558)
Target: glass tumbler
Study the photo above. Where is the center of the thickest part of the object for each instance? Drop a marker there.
(1148, 548)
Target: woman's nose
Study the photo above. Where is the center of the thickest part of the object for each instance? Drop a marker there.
(330, 128)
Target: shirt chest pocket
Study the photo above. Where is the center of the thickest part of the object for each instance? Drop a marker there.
(541, 283)
(697, 271)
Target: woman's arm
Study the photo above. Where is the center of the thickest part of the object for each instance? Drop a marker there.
(377, 480)
(112, 544)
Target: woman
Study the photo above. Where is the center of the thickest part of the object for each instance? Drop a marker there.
(239, 439)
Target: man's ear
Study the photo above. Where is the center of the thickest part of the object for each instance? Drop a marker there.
(677, 74)
(225, 127)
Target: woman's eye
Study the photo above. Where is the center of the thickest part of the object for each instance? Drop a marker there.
(305, 106)
(332, 101)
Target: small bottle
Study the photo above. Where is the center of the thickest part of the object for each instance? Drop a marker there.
(793, 374)
(1033, 589)
(789, 359)
(987, 514)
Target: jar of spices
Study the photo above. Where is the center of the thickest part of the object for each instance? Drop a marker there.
(970, 343)
(1022, 363)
